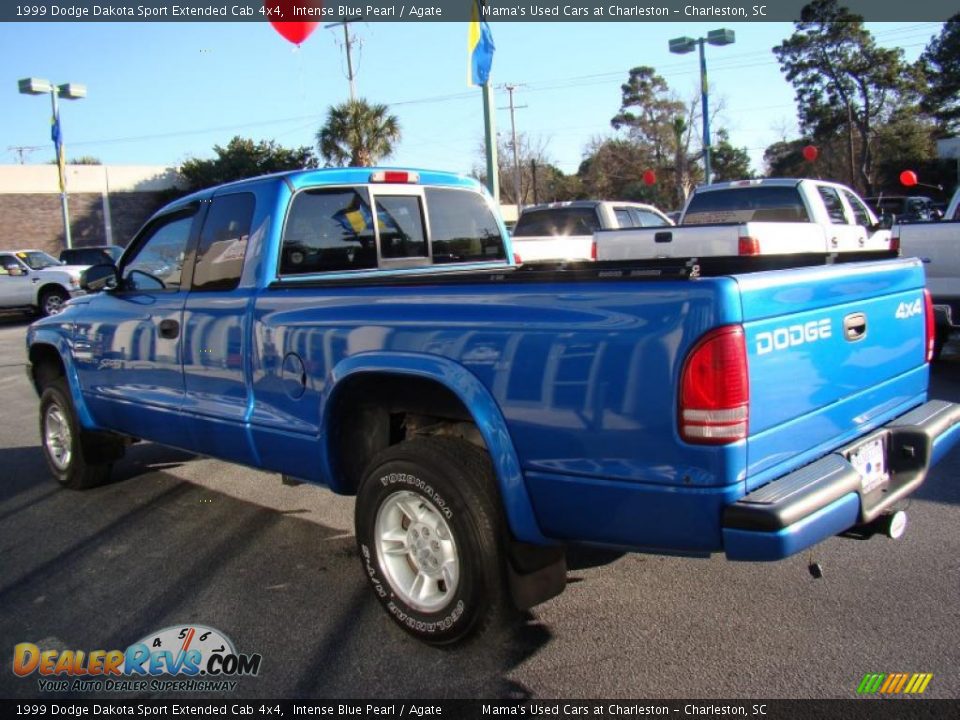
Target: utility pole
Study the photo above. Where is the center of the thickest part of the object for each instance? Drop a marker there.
(22, 151)
(347, 46)
(517, 190)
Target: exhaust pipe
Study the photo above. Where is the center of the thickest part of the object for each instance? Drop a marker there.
(893, 525)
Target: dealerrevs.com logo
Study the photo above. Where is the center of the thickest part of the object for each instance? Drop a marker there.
(191, 658)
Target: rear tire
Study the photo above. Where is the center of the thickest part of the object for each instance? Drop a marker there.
(432, 538)
(77, 458)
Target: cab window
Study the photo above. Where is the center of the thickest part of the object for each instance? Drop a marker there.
(223, 242)
(831, 199)
(462, 227)
(157, 263)
(329, 230)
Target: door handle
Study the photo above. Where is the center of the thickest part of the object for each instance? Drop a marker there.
(169, 329)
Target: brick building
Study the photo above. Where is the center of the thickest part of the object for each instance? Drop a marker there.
(108, 203)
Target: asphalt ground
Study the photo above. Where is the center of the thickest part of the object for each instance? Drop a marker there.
(176, 539)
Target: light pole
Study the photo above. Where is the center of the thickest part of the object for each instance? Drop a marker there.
(67, 91)
(683, 45)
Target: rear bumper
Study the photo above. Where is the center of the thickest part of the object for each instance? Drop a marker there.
(826, 497)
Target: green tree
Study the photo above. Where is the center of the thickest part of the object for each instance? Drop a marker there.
(729, 162)
(843, 80)
(243, 158)
(647, 113)
(940, 63)
(358, 134)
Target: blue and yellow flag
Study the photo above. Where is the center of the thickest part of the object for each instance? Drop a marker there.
(57, 138)
(480, 47)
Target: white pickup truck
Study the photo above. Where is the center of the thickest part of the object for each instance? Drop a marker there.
(563, 231)
(32, 280)
(937, 244)
(757, 217)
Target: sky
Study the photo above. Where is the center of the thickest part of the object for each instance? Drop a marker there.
(160, 93)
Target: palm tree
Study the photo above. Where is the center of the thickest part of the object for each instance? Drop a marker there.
(358, 133)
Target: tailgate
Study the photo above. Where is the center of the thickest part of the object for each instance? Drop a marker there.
(668, 242)
(542, 248)
(833, 352)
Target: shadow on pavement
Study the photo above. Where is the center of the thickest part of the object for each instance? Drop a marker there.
(104, 568)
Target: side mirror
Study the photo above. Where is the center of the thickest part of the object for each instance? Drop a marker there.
(16, 270)
(104, 276)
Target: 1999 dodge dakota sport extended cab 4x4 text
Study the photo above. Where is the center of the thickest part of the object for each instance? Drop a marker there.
(368, 330)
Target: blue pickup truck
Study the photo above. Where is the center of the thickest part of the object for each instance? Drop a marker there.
(369, 330)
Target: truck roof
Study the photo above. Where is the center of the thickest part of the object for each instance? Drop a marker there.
(336, 176)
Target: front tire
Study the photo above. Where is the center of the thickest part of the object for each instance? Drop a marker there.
(431, 538)
(52, 301)
(76, 457)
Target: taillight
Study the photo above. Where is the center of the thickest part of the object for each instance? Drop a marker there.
(715, 389)
(930, 334)
(593, 250)
(394, 176)
(895, 244)
(749, 246)
(516, 259)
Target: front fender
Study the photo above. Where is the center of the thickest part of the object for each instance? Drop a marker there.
(53, 337)
(478, 401)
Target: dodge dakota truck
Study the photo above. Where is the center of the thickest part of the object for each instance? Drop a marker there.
(937, 244)
(369, 330)
(757, 217)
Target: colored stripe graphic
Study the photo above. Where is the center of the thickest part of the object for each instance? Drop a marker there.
(894, 683)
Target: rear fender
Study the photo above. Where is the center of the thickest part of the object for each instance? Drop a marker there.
(475, 398)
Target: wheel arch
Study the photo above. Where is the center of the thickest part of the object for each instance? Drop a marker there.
(457, 391)
(50, 358)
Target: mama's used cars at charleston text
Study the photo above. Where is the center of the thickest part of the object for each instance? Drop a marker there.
(369, 330)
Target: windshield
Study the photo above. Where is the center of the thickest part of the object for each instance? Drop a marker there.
(37, 260)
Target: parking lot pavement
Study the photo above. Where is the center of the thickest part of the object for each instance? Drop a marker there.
(176, 539)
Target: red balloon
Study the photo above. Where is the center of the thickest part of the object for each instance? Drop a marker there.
(296, 31)
(649, 177)
(810, 153)
(908, 178)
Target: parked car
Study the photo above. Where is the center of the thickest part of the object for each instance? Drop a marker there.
(758, 217)
(369, 330)
(34, 281)
(91, 255)
(937, 244)
(563, 231)
(905, 208)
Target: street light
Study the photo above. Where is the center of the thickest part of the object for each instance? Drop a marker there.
(683, 45)
(67, 91)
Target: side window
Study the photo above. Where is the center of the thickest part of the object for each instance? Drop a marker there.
(400, 221)
(623, 218)
(329, 230)
(462, 227)
(645, 218)
(223, 242)
(5, 260)
(158, 262)
(834, 207)
(860, 214)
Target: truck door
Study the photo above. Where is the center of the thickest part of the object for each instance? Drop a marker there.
(215, 346)
(17, 283)
(129, 359)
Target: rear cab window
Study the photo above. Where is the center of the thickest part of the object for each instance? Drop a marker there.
(746, 204)
(557, 221)
(333, 229)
